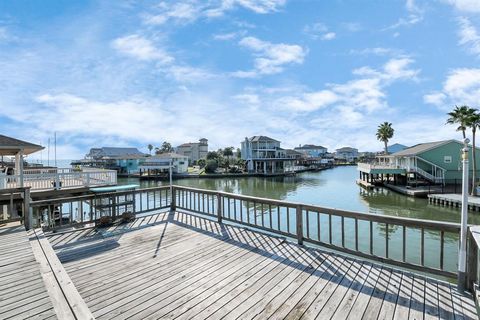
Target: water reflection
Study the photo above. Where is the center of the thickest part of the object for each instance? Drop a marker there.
(335, 188)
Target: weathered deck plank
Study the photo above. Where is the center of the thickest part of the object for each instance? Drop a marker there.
(23, 294)
(185, 267)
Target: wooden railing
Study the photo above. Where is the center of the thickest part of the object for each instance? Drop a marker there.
(394, 240)
(87, 209)
(14, 205)
(53, 178)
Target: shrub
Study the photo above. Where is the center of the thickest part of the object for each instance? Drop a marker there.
(211, 166)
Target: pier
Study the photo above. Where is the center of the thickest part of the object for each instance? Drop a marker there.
(195, 254)
(454, 200)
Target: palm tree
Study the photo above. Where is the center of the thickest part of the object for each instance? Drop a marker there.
(385, 133)
(150, 147)
(474, 123)
(461, 116)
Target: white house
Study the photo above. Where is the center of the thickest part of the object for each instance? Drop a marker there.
(161, 163)
(194, 150)
(264, 155)
(346, 153)
(311, 150)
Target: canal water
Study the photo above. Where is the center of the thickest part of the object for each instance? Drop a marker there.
(336, 188)
(333, 188)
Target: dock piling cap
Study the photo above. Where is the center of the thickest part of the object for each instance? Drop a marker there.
(115, 188)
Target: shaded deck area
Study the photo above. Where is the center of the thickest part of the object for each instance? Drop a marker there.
(23, 293)
(183, 266)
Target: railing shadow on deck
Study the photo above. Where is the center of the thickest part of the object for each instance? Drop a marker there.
(329, 270)
(316, 262)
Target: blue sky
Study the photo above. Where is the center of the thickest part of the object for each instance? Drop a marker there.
(117, 73)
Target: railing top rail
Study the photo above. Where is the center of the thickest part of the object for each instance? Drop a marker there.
(13, 190)
(411, 222)
(93, 195)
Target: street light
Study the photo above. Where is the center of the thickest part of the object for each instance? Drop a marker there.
(462, 252)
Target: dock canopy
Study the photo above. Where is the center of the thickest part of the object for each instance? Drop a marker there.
(18, 148)
(11, 146)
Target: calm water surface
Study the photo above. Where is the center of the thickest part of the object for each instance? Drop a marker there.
(334, 188)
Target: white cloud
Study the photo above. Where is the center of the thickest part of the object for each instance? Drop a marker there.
(270, 58)
(329, 36)
(472, 6)
(365, 94)
(320, 31)
(414, 16)
(436, 98)
(379, 51)
(462, 86)
(187, 11)
(228, 36)
(469, 36)
(141, 48)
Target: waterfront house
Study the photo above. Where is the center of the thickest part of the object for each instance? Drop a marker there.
(436, 162)
(312, 151)
(124, 160)
(160, 164)
(264, 155)
(396, 148)
(347, 154)
(194, 150)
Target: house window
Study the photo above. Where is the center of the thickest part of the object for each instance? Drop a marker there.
(447, 159)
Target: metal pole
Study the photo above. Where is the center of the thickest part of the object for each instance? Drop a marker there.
(462, 252)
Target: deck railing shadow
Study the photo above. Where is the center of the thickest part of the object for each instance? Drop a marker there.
(304, 258)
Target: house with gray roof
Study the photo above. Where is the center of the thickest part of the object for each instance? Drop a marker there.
(263, 155)
(312, 151)
(437, 162)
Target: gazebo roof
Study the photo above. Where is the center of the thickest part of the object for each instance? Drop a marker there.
(11, 146)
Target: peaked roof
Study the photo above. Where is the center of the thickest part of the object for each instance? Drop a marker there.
(114, 152)
(168, 155)
(10, 146)
(309, 146)
(422, 147)
(346, 149)
(262, 139)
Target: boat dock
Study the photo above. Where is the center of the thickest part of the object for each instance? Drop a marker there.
(454, 200)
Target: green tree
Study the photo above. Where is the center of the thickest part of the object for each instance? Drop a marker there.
(474, 123)
(150, 147)
(228, 152)
(211, 166)
(385, 133)
(461, 116)
(165, 148)
(239, 153)
(201, 163)
(212, 155)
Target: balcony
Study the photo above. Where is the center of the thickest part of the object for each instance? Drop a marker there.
(44, 179)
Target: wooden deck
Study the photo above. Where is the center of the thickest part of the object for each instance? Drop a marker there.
(23, 294)
(186, 267)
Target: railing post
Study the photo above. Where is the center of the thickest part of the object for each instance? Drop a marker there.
(57, 181)
(299, 213)
(472, 261)
(219, 207)
(173, 199)
(27, 211)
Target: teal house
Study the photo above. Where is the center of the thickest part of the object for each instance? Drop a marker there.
(437, 162)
